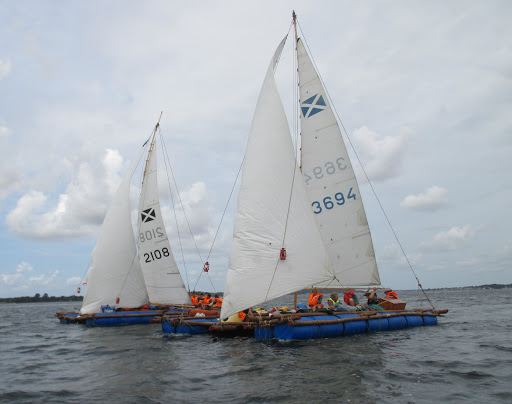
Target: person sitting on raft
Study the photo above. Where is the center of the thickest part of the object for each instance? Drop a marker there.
(246, 315)
(216, 302)
(207, 301)
(315, 300)
(194, 298)
(350, 298)
(390, 294)
(373, 300)
(333, 303)
(372, 297)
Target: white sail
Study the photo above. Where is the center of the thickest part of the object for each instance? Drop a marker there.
(161, 274)
(332, 186)
(115, 277)
(273, 212)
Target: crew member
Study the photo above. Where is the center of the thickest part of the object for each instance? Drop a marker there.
(315, 300)
(390, 294)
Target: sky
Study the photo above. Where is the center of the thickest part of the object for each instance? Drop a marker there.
(423, 89)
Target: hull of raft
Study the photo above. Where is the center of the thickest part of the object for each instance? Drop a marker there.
(305, 326)
(312, 327)
(192, 327)
(117, 319)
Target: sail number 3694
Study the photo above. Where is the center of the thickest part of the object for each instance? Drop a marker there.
(329, 168)
(328, 203)
(156, 255)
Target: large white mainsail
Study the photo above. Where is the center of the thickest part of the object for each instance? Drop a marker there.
(161, 274)
(115, 277)
(273, 212)
(332, 186)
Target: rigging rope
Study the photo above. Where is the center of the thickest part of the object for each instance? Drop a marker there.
(168, 163)
(366, 176)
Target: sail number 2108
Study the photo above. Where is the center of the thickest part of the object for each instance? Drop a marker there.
(328, 202)
(156, 255)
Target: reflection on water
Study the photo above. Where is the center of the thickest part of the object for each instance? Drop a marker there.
(468, 357)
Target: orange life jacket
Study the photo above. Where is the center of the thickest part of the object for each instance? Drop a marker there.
(207, 300)
(217, 302)
(392, 295)
(313, 299)
(347, 296)
(194, 299)
(242, 315)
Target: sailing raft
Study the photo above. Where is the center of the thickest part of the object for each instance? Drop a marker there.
(300, 223)
(290, 326)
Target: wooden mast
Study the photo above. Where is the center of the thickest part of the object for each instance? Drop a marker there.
(294, 17)
(151, 146)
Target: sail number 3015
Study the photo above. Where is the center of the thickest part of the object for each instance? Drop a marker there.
(328, 203)
(156, 255)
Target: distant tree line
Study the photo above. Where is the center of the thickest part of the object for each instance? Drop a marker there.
(489, 286)
(37, 298)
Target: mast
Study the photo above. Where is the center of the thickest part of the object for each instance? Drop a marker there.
(294, 17)
(152, 144)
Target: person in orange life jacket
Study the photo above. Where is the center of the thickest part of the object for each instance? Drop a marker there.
(217, 302)
(207, 301)
(350, 298)
(315, 300)
(390, 294)
(194, 298)
(246, 315)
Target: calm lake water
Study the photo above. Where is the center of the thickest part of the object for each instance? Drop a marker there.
(467, 358)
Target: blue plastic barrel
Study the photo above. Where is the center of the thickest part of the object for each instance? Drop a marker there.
(396, 323)
(264, 333)
(328, 330)
(167, 328)
(429, 320)
(414, 321)
(285, 331)
(185, 328)
(352, 327)
(378, 324)
(116, 319)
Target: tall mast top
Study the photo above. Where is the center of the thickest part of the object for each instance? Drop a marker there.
(294, 16)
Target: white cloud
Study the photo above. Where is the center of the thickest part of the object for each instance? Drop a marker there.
(381, 155)
(11, 279)
(24, 267)
(432, 199)
(5, 68)
(44, 279)
(77, 211)
(453, 239)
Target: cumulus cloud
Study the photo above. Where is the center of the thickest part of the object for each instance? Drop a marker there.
(23, 277)
(381, 155)
(453, 239)
(432, 199)
(11, 279)
(44, 279)
(24, 267)
(77, 211)
(5, 68)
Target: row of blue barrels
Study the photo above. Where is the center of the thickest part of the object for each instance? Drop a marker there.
(186, 327)
(287, 332)
(118, 319)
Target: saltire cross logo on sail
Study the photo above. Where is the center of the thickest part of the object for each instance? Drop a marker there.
(148, 215)
(313, 105)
